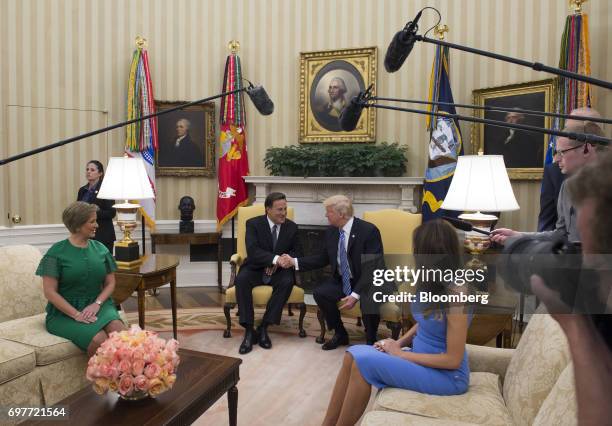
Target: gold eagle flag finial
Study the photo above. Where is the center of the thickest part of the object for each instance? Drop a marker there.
(141, 42)
(440, 30)
(233, 46)
(577, 5)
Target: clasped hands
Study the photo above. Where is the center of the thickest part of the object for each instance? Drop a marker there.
(285, 261)
(390, 346)
(88, 315)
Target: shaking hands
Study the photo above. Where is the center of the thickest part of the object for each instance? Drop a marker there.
(285, 261)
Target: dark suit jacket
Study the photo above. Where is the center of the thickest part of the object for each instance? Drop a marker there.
(106, 231)
(549, 195)
(259, 242)
(364, 239)
(187, 154)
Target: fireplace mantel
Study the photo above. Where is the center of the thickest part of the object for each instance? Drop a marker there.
(367, 193)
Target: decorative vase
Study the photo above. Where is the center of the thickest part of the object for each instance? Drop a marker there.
(135, 396)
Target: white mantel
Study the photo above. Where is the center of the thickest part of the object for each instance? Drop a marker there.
(305, 195)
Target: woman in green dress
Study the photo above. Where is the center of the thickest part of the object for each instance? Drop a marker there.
(78, 280)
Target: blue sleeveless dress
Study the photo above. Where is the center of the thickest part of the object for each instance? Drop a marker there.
(383, 370)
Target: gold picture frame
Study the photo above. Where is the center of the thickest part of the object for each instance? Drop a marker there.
(349, 71)
(186, 140)
(524, 152)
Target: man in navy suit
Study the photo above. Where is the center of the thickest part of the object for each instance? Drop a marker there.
(348, 242)
(267, 237)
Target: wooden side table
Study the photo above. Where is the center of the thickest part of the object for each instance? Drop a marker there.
(155, 271)
(206, 238)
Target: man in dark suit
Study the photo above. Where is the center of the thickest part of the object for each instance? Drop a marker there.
(267, 237)
(348, 241)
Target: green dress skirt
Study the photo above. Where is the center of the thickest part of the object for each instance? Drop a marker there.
(80, 273)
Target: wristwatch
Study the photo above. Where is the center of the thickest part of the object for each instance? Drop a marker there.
(98, 302)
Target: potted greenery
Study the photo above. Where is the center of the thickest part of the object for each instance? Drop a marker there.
(337, 160)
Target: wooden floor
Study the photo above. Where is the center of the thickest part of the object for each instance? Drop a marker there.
(187, 297)
(289, 384)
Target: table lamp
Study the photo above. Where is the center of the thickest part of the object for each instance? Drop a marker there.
(480, 184)
(126, 179)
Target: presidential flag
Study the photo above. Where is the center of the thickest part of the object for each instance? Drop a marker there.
(445, 143)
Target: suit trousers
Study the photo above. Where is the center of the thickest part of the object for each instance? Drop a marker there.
(327, 295)
(248, 278)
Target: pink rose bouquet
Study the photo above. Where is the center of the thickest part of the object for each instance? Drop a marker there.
(134, 363)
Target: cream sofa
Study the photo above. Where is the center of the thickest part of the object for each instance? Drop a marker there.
(530, 385)
(36, 367)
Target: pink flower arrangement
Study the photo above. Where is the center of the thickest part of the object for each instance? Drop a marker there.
(133, 362)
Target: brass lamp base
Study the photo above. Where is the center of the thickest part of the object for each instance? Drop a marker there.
(477, 243)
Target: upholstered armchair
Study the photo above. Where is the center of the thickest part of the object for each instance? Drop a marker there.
(262, 293)
(396, 227)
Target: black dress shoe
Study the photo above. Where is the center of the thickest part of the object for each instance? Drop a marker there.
(250, 337)
(264, 339)
(335, 341)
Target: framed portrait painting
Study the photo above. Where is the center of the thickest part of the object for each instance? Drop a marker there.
(524, 152)
(328, 81)
(186, 140)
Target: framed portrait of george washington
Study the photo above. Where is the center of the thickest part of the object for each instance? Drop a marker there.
(328, 81)
(186, 140)
(524, 152)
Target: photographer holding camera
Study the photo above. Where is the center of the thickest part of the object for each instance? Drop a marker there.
(589, 336)
(571, 155)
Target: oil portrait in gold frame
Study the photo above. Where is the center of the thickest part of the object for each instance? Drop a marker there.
(328, 81)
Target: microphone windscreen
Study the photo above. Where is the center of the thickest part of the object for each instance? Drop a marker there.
(398, 50)
(350, 115)
(459, 224)
(260, 99)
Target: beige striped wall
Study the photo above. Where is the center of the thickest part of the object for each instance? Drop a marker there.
(64, 64)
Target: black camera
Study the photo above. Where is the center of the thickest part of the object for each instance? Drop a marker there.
(555, 259)
(560, 265)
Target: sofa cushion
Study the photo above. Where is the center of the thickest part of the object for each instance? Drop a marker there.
(15, 360)
(22, 293)
(540, 357)
(560, 407)
(387, 418)
(31, 331)
(481, 404)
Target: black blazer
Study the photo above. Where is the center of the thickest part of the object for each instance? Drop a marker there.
(106, 231)
(364, 239)
(259, 242)
(549, 195)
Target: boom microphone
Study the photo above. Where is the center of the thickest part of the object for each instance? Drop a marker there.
(462, 225)
(349, 117)
(260, 99)
(401, 45)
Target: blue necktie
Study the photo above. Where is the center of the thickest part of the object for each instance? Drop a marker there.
(344, 265)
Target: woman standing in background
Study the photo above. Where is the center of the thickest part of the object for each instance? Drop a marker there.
(94, 173)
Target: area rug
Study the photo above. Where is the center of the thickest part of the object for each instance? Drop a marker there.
(212, 318)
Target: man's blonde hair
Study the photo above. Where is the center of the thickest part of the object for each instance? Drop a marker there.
(341, 204)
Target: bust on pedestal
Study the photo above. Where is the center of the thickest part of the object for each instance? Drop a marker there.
(186, 206)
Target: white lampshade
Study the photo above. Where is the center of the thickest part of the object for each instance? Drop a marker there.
(125, 179)
(480, 184)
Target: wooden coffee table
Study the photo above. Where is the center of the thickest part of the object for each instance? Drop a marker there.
(202, 379)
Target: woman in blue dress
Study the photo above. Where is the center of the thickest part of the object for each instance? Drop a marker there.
(437, 362)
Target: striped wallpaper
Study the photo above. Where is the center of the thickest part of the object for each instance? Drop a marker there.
(64, 66)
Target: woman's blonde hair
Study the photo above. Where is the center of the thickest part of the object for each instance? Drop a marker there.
(77, 214)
